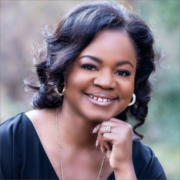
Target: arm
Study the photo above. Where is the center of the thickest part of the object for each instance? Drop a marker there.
(125, 172)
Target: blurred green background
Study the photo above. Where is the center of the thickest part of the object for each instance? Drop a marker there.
(22, 23)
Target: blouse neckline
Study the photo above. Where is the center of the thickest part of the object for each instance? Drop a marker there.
(42, 148)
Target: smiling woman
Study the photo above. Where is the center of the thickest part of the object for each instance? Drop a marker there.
(101, 79)
(93, 71)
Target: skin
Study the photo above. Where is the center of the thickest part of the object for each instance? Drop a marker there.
(82, 123)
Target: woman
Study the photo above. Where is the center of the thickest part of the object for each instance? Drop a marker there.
(93, 72)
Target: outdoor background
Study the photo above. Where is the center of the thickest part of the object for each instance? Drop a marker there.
(22, 24)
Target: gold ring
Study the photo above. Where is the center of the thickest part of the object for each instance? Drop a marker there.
(108, 128)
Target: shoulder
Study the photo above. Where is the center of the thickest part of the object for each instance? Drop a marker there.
(13, 130)
(12, 124)
(146, 164)
(11, 134)
(140, 149)
(40, 116)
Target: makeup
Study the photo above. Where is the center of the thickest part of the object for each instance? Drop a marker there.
(100, 101)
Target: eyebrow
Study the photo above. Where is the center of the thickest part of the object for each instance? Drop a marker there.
(100, 61)
(93, 58)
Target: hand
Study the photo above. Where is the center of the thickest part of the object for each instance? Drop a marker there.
(117, 144)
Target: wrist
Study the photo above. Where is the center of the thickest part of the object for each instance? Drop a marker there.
(125, 171)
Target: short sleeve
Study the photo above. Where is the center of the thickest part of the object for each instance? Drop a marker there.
(146, 164)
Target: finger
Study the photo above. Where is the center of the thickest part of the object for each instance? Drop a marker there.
(115, 120)
(99, 138)
(96, 129)
(105, 146)
(103, 129)
(113, 129)
(112, 122)
(118, 127)
(119, 122)
(109, 137)
(107, 141)
(108, 153)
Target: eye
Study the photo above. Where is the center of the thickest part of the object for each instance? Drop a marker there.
(122, 73)
(89, 67)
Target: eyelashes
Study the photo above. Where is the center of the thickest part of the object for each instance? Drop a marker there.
(92, 67)
(123, 73)
(89, 66)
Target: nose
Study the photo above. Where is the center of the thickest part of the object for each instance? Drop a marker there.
(105, 80)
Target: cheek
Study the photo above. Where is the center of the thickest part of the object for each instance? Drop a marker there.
(77, 81)
(126, 89)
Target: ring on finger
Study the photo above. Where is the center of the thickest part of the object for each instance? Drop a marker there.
(108, 128)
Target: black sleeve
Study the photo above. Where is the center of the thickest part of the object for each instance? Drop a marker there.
(146, 164)
(8, 149)
(21, 152)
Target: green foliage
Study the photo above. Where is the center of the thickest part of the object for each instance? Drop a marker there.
(169, 9)
(162, 127)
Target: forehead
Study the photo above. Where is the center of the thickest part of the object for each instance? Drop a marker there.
(111, 44)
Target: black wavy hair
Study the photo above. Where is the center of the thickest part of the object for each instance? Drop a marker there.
(75, 32)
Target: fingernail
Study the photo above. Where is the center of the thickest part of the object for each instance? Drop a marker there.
(102, 150)
(96, 143)
(94, 130)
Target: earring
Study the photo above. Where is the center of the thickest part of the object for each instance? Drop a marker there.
(60, 94)
(133, 101)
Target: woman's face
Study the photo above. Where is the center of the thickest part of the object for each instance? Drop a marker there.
(100, 82)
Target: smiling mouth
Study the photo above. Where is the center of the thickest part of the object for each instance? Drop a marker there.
(102, 101)
(99, 99)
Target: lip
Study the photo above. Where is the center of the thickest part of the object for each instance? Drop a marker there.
(101, 103)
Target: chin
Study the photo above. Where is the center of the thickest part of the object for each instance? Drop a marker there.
(100, 117)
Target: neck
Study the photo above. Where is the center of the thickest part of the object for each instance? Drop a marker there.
(75, 130)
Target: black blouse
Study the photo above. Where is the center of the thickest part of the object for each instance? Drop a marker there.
(23, 157)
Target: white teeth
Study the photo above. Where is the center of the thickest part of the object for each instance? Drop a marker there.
(100, 99)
